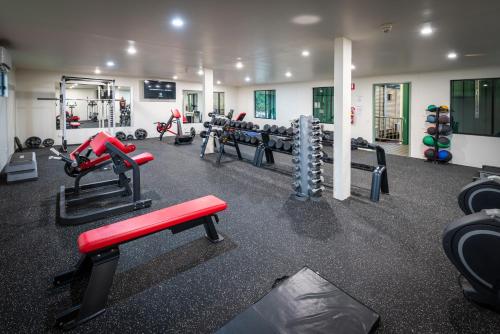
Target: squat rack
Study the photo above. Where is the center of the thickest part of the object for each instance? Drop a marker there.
(110, 87)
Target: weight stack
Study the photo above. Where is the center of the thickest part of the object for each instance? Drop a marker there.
(308, 178)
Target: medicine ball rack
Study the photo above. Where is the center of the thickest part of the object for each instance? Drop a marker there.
(437, 133)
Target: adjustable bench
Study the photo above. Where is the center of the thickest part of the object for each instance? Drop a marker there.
(107, 150)
(100, 253)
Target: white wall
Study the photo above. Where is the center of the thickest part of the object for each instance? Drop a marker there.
(37, 118)
(7, 121)
(426, 88)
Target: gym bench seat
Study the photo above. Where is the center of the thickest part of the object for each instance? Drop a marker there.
(100, 253)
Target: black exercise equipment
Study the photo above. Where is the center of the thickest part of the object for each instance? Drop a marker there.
(481, 194)
(180, 137)
(107, 150)
(33, 142)
(140, 134)
(472, 243)
(130, 137)
(304, 303)
(19, 146)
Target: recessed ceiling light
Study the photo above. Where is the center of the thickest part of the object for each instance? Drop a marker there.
(306, 19)
(452, 55)
(146, 81)
(119, 87)
(239, 65)
(353, 67)
(200, 72)
(218, 82)
(247, 79)
(131, 50)
(305, 53)
(175, 77)
(426, 30)
(288, 74)
(97, 70)
(177, 22)
(110, 63)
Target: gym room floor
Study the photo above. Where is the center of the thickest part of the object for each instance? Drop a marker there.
(388, 255)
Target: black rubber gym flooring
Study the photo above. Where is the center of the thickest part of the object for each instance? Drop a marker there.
(388, 255)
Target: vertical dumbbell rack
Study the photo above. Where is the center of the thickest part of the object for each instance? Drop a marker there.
(308, 179)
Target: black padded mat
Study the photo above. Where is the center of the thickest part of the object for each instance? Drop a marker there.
(304, 303)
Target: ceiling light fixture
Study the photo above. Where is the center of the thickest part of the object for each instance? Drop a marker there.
(97, 70)
(110, 63)
(131, 50)
(306, 19)
(175, 77)
(452, 55)
(177, 22)
(247, 79)
(288, 74)
(200, 72)
(426, 30)
(305, 53)
(353, 67)
(218, 82)
(239, 65)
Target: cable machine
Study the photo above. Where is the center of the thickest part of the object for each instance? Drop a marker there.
(109, 86)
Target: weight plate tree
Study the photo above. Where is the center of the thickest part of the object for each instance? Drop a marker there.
(306, 159)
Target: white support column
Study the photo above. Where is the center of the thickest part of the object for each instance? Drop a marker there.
(342, 119)
(208, 101)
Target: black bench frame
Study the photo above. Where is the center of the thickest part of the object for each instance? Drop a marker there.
(70, 197)
(99, 268)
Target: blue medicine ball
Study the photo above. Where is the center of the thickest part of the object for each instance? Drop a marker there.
(431, 118)
(444, 155)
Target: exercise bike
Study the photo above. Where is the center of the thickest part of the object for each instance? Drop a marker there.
(180, 137)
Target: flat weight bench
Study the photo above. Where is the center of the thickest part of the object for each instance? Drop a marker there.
(100, 253)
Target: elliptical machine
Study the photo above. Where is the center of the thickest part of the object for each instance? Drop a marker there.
(472, 243)
(180, 137)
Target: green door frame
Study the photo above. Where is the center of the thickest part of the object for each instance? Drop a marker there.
(406, 109)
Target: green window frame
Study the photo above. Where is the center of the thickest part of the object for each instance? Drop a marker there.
(265, 104)
(323, 104)
(475, 106)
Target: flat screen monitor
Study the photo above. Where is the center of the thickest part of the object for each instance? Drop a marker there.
(161, 90)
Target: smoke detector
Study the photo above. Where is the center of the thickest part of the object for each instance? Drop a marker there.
(386, 28)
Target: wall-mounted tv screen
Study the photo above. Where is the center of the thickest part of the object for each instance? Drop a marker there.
(162, 90)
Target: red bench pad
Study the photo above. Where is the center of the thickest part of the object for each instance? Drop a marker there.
(140, 159)
(149, 223)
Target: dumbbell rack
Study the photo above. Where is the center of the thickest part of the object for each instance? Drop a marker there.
(222, 137)
(436, 137)
(307, 160)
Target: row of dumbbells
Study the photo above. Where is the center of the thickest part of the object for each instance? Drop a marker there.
(307, 157)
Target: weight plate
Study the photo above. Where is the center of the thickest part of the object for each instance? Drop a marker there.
(140, 134)
(121, 136)
(33, 142)
(49, 142)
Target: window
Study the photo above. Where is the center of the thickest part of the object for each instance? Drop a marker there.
(265, 104)
(4, 84)
(475, 107)
(323, 104)
(219, 103)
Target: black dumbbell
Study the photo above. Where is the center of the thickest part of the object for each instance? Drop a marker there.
(274, 129)
(279, 144)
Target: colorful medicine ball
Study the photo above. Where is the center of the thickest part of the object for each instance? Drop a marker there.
(443, 142)
(430, 153)
(445, 130)
(431, 130)
(444, 109)
(443, 119)
(432, 108)
(431, 118)
(444, 155)
(429, 141)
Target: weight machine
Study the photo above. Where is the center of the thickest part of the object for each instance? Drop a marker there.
(110, 89)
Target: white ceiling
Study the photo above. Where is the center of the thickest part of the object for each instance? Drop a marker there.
(76, 36)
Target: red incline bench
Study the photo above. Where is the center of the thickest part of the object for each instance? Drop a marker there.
(100, 253)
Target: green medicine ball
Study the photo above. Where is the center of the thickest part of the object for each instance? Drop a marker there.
(429, 141)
